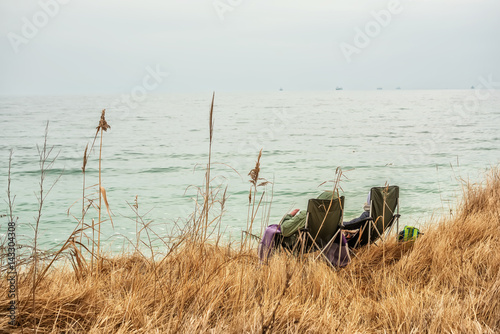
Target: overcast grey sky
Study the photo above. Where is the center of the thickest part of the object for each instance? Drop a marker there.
(109, 46)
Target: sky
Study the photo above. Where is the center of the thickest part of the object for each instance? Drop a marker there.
(59, 47)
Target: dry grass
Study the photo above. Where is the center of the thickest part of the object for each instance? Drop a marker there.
(446, 282)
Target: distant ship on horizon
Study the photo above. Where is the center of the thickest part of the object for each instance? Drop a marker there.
(338, 88)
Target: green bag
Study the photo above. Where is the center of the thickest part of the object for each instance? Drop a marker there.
(409, 233)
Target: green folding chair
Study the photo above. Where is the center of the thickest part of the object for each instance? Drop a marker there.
(384, 212)
(323, 222)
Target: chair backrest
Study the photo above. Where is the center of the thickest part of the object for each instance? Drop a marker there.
(383, 208)
(324, 218)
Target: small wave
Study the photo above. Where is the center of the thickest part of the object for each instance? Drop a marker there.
(53, 171)
(161, 170)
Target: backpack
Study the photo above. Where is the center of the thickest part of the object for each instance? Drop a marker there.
(409, 233)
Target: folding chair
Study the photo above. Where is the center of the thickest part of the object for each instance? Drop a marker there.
(384, 212)
(324, 218)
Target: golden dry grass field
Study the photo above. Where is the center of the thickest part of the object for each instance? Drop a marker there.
(448, 281)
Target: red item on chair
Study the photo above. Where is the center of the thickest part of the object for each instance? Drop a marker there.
(294, 212)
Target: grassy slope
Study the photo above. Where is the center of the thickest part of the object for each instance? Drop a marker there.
(448, 281)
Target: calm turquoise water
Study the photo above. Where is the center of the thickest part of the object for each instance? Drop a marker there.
(423, 141)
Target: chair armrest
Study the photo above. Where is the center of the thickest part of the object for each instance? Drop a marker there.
(356, 225)
(351, 231)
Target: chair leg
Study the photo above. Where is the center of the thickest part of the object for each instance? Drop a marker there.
(314, 242)
(397, 218)
(340, 245)
(370, 234)
(339, 233)
(389, 230)
(328, 261)
(302, 242)
(327, 245)
(360, 233)
(376, 230)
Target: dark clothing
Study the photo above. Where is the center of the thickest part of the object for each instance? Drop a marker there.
(338, 253)
(364, 215)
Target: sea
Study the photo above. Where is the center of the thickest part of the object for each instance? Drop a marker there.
(154, 156)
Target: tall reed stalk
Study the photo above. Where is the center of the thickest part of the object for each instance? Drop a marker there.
(102, 127)
(253, 207)
(207, 174)
(84, 167)
(135, 207)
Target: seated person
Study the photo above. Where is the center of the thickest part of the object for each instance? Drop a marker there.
(296, 219)
(364, 215)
